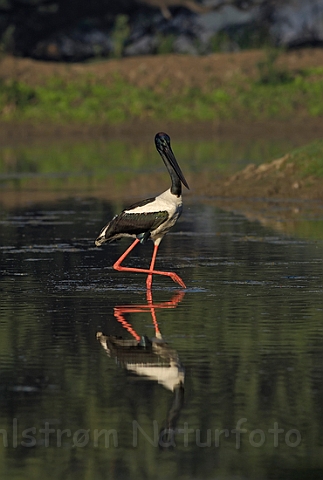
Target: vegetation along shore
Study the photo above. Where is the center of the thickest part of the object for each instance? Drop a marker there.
(256, 85)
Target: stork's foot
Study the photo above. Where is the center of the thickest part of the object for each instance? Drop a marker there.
(177, 279)
(172, 275)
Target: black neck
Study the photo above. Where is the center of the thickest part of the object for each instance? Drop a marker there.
(176, 188)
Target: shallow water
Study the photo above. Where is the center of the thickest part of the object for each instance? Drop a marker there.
(101, 380)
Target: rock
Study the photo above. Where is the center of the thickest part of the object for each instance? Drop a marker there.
(298, 23)
(148, 32)
(145, 45)
(184, 44)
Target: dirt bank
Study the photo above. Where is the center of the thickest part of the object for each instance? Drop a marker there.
(279, 179)
(152, 71)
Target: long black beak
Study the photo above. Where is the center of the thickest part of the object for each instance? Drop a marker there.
(171, 163)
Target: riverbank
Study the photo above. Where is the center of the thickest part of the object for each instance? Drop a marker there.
(296, 175)
(262, 83)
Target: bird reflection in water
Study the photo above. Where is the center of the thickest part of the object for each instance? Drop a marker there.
(150, 358)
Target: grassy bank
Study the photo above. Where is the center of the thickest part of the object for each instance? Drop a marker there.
(308, 160)
(269, 91)
(296, 175)
(86, 100)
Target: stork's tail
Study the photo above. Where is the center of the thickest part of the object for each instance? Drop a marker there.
(102, 237)
(108, 232)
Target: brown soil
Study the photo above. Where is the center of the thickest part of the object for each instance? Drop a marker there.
(278, 179)
(152, 71)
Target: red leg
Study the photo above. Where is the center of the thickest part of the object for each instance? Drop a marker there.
(149, 280)
(151, 271)
(117, 265)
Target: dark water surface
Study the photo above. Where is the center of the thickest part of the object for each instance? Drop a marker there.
(101, 380)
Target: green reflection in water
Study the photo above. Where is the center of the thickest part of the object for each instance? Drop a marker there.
(97, 160)
(307, 228)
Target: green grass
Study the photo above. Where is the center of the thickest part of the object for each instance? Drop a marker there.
(273, 95)
(309, 159)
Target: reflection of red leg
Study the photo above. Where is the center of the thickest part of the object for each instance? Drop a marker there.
(151, 271)
(150, 306)
(118, 313)
(177, 298)
(153, 316)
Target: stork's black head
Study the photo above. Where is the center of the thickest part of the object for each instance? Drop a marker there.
(162, 141)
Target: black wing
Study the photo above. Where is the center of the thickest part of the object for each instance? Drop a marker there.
(131, 224)
(136, 223)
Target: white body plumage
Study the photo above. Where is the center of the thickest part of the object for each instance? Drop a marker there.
(166, 201)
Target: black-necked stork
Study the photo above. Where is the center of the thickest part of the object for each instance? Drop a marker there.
(151, 218)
